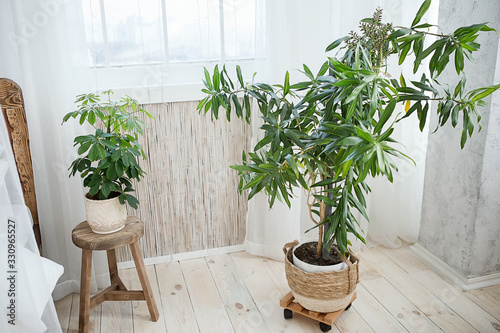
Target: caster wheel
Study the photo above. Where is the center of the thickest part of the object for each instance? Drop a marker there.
(324, 327)
(288, 314)
(348, 307)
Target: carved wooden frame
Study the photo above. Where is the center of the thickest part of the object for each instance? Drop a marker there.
(12, 104)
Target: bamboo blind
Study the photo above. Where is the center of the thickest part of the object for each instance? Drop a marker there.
(189, 199)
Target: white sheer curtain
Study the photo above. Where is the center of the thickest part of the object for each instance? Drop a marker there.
(28, 279)
(42, 51)
(298, 32)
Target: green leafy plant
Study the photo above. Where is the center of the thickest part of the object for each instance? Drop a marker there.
(327, 133)
(108, 157)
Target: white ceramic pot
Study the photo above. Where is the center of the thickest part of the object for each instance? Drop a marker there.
(105, 216)
(315, 268)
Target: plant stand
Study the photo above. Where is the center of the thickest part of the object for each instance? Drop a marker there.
(88, 241)
(325, 319)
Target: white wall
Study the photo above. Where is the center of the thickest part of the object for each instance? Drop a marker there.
(461, 204)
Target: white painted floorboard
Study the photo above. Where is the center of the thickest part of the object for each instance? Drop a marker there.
(239, 292)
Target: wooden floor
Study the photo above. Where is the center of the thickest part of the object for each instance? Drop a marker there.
(239, 292)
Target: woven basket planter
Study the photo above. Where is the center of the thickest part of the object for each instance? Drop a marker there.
(321, 291)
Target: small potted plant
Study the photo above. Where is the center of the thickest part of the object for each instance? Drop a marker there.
(108, 158)
(327, 133)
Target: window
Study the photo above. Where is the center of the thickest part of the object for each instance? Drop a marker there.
(124, 33)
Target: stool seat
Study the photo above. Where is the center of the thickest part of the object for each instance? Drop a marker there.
(84, 238)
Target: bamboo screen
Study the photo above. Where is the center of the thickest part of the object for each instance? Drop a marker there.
(189, 199)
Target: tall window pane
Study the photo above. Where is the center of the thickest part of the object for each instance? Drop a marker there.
(193, 30)
(239, 29)
(134, 30)
(93, 29)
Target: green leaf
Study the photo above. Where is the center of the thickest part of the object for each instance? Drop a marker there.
(385, 116)
(103, 164)
(424, 86)
(101, 151)
(347, 81)
(454, 115)
(402, 81)
(240, 77)
(207, 79)
(411, 37)
(116, 155)
(83, 138)
(94, 189)
(404, 52)
(472, 29)
(108, 144)
(459, 60)
(423, 26)
(286, 85)
(132, 201)
(84, 147)
(356, 92)
(385, 135)
(425, 53)
(91, 118)
(380, 159)
(111, 172)
(463, 139)
(421, 11)
(267, 139)
(485, 92)
(336, 43)
(365, 135)
(398, 33)
(264, 86)
(308, 72)
(69, 115)
(423, 117)
(93, 153)
(247, 108)
(237, 106)
(216, 78)
(106, 189)
(350, 111)
(254, 182)
(324, 182)
(291, 135)
(292, 164)
(119, 169)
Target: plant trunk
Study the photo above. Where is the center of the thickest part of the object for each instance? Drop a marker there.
(322, 208)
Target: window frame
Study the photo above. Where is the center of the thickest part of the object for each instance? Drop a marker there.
(168, 81)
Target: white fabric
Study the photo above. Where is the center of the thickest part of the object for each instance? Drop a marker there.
(27, 279)
(43, 50)
(299, 32)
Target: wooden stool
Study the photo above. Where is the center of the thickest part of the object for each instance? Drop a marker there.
(84, 238)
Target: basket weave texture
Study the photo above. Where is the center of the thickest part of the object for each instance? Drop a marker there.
(321, 285)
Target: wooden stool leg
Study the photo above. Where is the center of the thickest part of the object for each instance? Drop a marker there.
(113, 270)
(143, 277)
(83, 326)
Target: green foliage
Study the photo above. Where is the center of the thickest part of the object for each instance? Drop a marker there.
(108, 157)
(327, 133)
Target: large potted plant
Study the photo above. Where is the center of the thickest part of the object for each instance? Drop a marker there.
(108, 157)
(327, 133)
